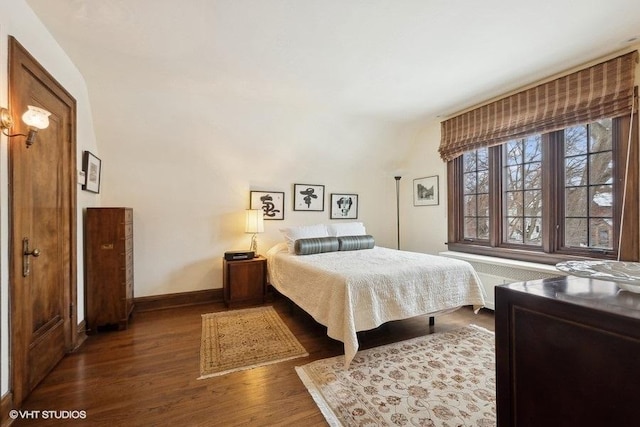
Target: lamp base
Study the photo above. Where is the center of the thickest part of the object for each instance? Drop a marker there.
(254, 244)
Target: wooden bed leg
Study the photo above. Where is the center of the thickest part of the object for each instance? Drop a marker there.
(432, 320)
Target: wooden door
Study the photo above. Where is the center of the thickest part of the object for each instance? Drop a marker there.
(42, 209)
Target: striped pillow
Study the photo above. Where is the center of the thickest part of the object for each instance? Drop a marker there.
(354, 243)
(316, 245)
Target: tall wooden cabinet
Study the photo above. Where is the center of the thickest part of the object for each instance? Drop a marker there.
(109, 267)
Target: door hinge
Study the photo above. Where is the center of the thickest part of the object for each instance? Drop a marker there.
(70, 311)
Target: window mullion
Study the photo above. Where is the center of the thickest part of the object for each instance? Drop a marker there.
(552, 190)
(588, 173)
(454, 199)
(630, 246)
(496, 225)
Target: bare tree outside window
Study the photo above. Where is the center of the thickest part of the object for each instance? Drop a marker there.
(476, 194)
(522, 183)
(589, 185)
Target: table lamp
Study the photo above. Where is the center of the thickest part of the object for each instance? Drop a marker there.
(254, 224)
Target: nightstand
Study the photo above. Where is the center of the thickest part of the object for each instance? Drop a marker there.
(244, 281)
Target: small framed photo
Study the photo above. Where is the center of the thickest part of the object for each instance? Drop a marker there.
(344, 206)
(91, 166)
(426, 191)
(271, 203)
(308, 197)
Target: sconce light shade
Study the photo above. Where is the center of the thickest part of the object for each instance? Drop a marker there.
(36, 117)
(254, 221)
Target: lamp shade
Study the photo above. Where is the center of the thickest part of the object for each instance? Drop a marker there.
(254, 221)
(36, 117)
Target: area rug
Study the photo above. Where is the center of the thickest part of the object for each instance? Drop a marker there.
(442, 379)
(244, 339)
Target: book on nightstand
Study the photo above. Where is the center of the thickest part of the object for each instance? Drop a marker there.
(239, 255)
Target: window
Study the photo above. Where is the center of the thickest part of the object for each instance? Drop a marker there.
(476, 194)
(548, 197)
(522, 196)
(588, 177)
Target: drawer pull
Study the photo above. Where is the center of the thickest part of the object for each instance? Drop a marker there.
(107, 246)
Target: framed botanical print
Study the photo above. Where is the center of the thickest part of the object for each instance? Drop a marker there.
(426, 191)
(308, 197)
(344, 206)
(271, 203)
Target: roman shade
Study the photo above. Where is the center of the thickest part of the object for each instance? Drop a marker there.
(600, 91)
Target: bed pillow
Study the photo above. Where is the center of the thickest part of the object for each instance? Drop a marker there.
(291, 234)
(316, 245)
(355, 243)
(346, 229)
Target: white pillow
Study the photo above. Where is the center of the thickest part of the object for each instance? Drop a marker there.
(346, 229)
(291, 234)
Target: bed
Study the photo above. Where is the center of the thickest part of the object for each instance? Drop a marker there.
(357, 290)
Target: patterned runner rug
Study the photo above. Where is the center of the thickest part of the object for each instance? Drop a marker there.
(244, 339)
(442, 379)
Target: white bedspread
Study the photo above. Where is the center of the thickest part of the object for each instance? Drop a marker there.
(354, 291)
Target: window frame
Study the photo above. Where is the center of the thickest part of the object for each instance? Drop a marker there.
(551, 250)
(523, 165)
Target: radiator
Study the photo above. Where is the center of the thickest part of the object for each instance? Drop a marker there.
(499, 271)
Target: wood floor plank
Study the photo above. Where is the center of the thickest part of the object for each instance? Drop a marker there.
(147, 375)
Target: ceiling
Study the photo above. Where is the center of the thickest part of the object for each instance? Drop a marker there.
(394, 58)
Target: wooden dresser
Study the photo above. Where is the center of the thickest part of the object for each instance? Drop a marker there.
(567, 353)
(108, 267)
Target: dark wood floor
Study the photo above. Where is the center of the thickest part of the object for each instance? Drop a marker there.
(146, 375)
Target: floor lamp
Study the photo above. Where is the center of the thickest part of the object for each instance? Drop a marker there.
(397, 178)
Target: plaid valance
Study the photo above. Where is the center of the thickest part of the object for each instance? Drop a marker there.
(603, 90)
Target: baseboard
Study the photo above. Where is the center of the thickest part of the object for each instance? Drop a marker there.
(159, 302)
(81, 335)
(6, 405)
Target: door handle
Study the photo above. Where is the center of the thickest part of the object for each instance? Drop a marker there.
(26, 253)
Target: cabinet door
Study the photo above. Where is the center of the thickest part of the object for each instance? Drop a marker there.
(246, 281)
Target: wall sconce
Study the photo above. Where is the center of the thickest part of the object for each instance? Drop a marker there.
(254, 224)
(36, 118)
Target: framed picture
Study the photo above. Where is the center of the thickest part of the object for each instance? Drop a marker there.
(344, 206)
(426, 191)
(271, 203)
(91, 166)
(308, 197)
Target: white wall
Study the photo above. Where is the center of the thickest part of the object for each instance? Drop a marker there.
(424, 228)
(190, 187)
(18, 20)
